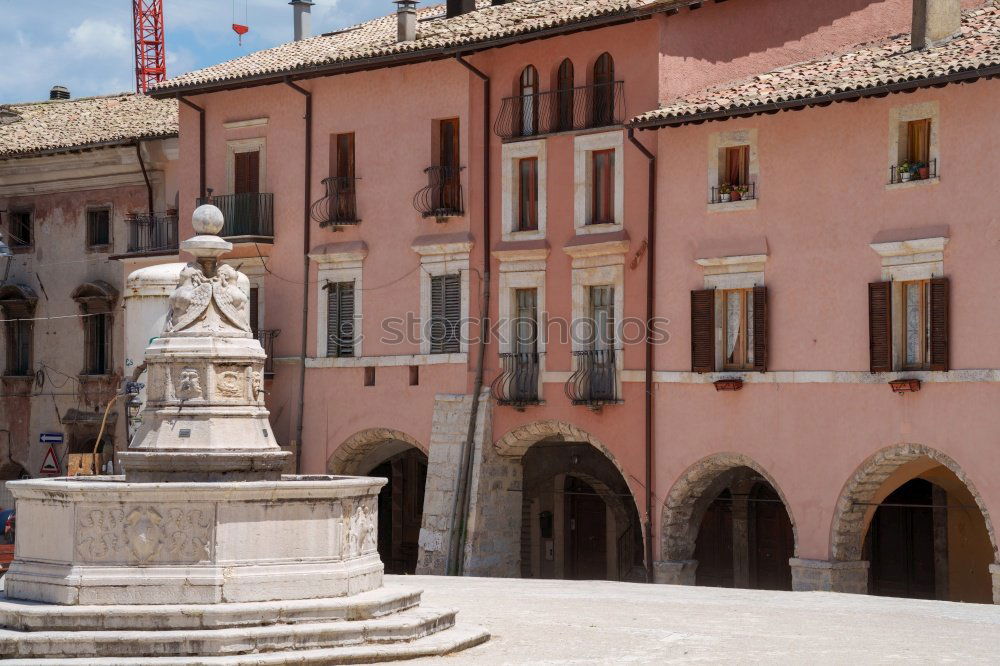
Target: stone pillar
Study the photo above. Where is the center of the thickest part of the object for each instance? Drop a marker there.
(675, 572)
(995, 573)
(824, 576)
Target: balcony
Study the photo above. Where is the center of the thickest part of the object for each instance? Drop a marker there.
(249, 217)
(910, 172)
(517, 383)
(151, 234)
(732, 193)
(266, 338)
(339, 207)
(595, 380)
(442, 198)
(581, 108)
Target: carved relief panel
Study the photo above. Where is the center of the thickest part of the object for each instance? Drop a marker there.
(140, 534)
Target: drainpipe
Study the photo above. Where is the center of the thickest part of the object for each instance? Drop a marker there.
(201, 143)
(650, 313)
(145, 176)
(306, 246)
(463, 498)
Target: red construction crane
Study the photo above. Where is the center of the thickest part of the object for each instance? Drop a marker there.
(150, 53)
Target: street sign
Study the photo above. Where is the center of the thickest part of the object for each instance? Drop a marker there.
(50, 466)
(50, 438)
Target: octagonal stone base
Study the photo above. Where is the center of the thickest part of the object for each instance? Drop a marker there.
(100, 540)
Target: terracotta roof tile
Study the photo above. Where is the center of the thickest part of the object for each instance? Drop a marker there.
(27, 129)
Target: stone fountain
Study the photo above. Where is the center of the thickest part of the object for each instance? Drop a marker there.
(203, 552)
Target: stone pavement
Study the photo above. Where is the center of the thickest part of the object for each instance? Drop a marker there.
(570, 622)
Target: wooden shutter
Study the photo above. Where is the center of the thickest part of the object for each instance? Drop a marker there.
(760, 329)
(247, 173)
(880, 326)
(254, 310)
(446, 313)
(703, 330)
(340, 319)
(938, 353)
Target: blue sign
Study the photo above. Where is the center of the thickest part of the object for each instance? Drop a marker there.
(51, 438)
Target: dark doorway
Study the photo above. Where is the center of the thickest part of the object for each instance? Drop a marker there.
(772, 543)
(901, 543)
(714, 547)
(586, 532)
(400, 510)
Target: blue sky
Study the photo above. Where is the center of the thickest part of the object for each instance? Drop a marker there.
(86, 45)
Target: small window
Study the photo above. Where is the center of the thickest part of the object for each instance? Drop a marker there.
(736, 166)
(527, 209)
(98, 227)
(20, 229)
(340, 319)
(97, 344)
(414, 375)
(915, 161)
(446, 313)
(528, 92)
(526, 322)
(370, 376)
(916, 324)
(918, 141)
(737, 329)
(565, 95)
(603, 187)
(19, 337)
(604, 91)
(602, 313)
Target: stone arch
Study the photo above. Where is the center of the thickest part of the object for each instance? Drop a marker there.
(692, 493)
(847, 532)
(354, 449)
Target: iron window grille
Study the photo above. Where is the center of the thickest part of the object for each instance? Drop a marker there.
(442, 197)
(339, 206)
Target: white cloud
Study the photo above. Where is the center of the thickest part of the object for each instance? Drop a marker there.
(99, 39)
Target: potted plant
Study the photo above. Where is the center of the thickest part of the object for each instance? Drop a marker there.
(744, 191)
(904, 172)
(921, 170)
(725, 193)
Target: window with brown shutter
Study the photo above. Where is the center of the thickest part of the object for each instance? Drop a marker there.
(246, 172)
(603, 187)
(703, 330)
(760, 329)
(527, 208)
(880, 326)
(939, 357)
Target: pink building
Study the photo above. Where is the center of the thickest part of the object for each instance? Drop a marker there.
(808, 408)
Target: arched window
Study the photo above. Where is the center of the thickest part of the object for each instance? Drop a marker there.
(528, 92)
(604, 90)
(564, 95)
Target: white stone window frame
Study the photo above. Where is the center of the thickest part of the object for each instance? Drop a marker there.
(339, 267)
(255, 270)
(908, 261)
(899, 116)
(717, 143)
(235, 146)
(443, 259)
(512, 154)
(734, 272)
(523, 270)
(583, 180)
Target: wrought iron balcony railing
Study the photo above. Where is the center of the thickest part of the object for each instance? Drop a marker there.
(339, 207)
(517, 383)
(906, 172)
(584, 107)
(266, 338)
(443, 195)
(247, 215)
(595, 380)
(151, 233)
(727, 194)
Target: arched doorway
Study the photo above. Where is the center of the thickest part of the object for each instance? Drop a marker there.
(726, 524)
(915, 518)
(398, 458)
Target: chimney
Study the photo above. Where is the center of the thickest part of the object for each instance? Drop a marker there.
(459, 7)
(59, 92)
(406, 19)
(935, 22)
(303, 16)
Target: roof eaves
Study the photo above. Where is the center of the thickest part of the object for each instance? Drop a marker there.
(112, 143)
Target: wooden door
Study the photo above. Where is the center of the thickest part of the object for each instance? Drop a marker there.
(586, 532)
(714, 547)
(901, 540)
(772, 542)
(247, 173)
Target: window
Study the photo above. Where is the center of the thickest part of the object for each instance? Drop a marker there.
(527, 210)
(737, 329)
(913, 150)
(565, 95)
(603, 187)
(446, 187)
(525, 321)
(98, 227)
(528, 92)
(918, 141)
(908, 325)
(246, 170)
(604, 91)
(340, 319)
(736, 168)
(342, 189)
(19, 334)
(97, 344)
(602, 313)
(445, 313)
(737, 320)
(915, 332)
(20, 229)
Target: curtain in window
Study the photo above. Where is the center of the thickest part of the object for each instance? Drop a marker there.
(919, 141)
(737, 170)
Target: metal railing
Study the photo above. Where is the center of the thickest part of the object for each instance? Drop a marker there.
(730, 193)
(266, 338)
(443, 195)
(583, 107)
(517, 383)
(340, 206)
(250, 214)
(151, 233)
(904, 173)
(595, 380)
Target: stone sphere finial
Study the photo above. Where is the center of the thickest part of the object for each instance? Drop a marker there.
(207, 219)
